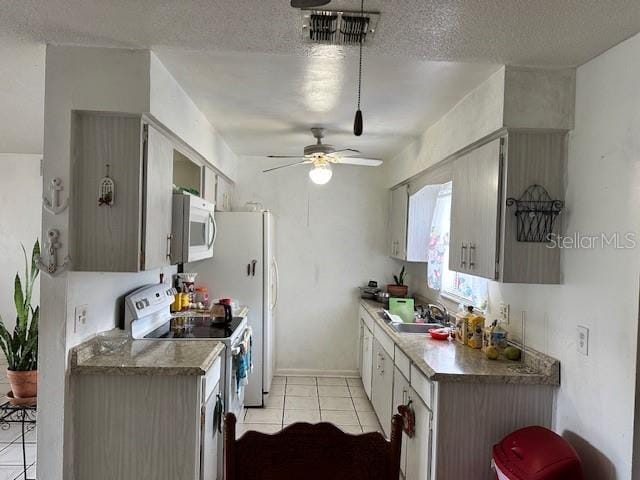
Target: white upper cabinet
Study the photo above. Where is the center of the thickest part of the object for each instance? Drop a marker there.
(483, 238)
(398, 212)
(209, 178)
(157, 200)
(224, 192)
(130, 233)
(475, 211)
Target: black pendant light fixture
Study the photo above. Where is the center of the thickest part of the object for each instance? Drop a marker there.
(357, 122)
(308, 3)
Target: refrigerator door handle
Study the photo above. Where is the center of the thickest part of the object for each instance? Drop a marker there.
(277, 284)
(253, 267)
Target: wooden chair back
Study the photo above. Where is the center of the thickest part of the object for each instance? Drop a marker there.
(311, 452)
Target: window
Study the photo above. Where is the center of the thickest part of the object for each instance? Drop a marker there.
(458, 286)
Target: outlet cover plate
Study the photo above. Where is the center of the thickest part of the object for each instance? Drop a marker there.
(504, 312)
(81, 313)
(583, 340)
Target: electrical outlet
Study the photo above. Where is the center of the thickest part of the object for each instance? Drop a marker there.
(504, 312)
(583, 340)
(81, 314)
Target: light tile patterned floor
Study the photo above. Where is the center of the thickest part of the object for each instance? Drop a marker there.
(11, 467)
(340, 401)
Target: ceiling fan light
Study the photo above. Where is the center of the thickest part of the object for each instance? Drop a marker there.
(321, 174)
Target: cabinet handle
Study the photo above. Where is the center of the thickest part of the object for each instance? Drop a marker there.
(404, 396)
(382, 367)
(169, 237)
(463, 254)
(472, 255)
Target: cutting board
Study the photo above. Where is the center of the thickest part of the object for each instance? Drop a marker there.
(403, 307)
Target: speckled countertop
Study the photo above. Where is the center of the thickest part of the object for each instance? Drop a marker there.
(447, 361)
(117, 354)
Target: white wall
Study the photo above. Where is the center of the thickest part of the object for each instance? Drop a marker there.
(595, 403)
(21, 94)
(171, 105)
(20, 205)
(90, 79)
(76, 78)
(478, 114)
(329, 241)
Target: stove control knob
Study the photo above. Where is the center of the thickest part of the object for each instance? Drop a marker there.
(139, 305)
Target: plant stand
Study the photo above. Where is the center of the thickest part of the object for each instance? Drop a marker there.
(22, 414)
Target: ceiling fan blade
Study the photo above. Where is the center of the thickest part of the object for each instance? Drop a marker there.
(308, 3)
(365, 162)
(352, 150)
(285, 166)
(285, 156)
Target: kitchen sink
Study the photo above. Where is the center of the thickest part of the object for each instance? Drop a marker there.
(414, 327)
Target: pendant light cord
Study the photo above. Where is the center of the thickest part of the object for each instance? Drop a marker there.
(360, 62)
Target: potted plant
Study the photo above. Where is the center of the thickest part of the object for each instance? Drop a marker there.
(21, 347)
(398, 289)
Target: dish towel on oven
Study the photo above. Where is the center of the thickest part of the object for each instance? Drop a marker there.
(244, 366)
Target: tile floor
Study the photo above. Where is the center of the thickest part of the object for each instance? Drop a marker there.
(340, 401)
(11, 444)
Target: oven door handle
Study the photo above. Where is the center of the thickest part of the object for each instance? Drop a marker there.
(217, 414)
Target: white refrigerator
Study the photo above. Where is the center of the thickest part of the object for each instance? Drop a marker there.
(244, 268)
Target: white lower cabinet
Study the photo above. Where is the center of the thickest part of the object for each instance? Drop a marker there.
(366, 357)
(400, 393)
(382, 386)
(418, 450)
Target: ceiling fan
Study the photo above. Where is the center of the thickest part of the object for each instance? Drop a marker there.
(322, 156)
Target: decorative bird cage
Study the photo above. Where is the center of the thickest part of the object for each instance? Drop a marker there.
(106, 190)
(535, 212)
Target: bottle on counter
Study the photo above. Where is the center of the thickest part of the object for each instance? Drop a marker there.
(202, 296)
(475, 327)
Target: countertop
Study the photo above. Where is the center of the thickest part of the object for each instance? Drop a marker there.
(448, 361)
(118, 354)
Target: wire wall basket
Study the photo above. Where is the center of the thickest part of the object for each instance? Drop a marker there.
(535, 212)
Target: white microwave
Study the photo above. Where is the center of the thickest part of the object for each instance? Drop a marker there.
(194, 229)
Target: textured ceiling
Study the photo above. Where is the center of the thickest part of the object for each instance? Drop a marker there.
(541, 32)
(264, 104)
(244, 63)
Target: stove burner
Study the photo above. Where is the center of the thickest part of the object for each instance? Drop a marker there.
(196, 327)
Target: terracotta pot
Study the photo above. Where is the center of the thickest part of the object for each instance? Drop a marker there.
(399, 291)
(23, 384)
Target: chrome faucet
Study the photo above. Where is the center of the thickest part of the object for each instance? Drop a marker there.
(437, 313)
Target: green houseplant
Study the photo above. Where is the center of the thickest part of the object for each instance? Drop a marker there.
(398, 289)
(21, 347)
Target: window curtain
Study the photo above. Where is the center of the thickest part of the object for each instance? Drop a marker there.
(438, 248)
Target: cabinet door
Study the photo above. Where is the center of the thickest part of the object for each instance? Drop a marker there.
(158, 197)
(398, 222)
(401, 397)
(208, 184)
(210, 442)
(483, 237)
(367, 359)
(473, 240)
(382, 386)
(419, 447)
(460, 216)
(224, 190)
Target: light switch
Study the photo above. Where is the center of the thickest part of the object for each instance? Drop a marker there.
(583, 340)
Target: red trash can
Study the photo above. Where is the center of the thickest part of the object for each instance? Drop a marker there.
(536, 453)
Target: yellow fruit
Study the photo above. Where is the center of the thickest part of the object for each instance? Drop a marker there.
(492, 353)
(512, 353)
